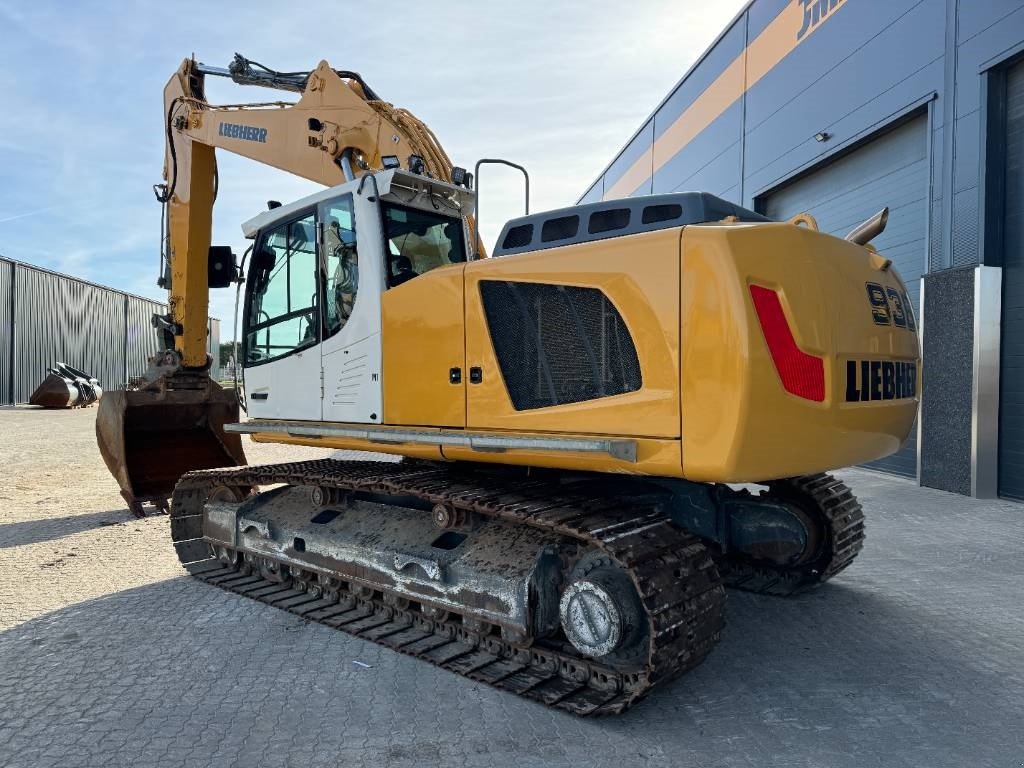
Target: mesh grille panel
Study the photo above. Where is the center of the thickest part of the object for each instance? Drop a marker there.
(558, 344)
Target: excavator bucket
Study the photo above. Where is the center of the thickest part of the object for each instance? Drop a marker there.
(150, 437)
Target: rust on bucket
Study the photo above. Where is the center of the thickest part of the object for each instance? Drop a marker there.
(150, 437)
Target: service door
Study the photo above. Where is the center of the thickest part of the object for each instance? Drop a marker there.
(1011, 406)
(282, 321)
(890, 171)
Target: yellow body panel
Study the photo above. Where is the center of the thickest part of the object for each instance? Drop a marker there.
(712, 406)
(640, 275)
(739, 423)
(423, 339)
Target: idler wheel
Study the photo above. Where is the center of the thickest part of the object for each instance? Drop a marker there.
(601, 613)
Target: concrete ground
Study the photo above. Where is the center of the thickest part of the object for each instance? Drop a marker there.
(111, 656)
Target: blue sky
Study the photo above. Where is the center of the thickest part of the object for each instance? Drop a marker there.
(556, 86)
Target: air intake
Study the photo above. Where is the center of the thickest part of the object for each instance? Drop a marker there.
(558, 344)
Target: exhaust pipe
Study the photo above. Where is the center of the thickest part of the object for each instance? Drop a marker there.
(870, 229)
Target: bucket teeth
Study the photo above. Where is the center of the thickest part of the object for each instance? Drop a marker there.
(150, 437)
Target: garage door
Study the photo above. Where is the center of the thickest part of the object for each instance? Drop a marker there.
(891, 170)
(1011, 406)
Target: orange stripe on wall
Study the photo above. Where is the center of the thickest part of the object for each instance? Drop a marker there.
(777, 41)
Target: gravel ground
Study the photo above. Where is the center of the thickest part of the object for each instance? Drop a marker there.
(109, 656)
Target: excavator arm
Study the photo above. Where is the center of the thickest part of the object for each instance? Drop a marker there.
(338, 130)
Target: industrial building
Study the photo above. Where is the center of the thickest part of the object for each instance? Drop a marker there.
(841, 107)
(46, 317)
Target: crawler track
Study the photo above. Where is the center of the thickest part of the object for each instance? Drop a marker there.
(840, 519)
(672, 571)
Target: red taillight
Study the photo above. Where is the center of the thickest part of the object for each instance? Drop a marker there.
(801, 374)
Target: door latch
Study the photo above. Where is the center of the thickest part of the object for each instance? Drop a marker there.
(455, 376)
(476, 374)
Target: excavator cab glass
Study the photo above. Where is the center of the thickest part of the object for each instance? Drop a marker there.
(419, 241)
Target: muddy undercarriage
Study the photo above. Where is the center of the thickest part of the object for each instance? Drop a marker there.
(578, 590)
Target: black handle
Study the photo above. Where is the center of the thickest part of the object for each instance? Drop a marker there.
(455, 376)
(476, 374)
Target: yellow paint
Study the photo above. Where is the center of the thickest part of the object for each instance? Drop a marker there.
(423, 340)
(190, 224)
(712, 406)
(640, 275)
(775, 42)
(739, 424)
(370, 129)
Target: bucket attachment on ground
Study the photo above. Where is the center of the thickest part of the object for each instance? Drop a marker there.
(66, 387)
(151, 436)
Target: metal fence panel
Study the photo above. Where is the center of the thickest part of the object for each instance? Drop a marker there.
(6, 331)
(61, 319)
(47, 317)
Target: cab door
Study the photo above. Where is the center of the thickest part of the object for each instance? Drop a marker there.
(282, 323)
(350, 248)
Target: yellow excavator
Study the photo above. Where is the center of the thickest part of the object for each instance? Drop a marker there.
(624, 408)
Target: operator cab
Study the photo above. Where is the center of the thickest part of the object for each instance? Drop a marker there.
(311, 343)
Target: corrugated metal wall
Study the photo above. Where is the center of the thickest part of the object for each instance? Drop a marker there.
(6, 331)
(58, 318)
(47, 317)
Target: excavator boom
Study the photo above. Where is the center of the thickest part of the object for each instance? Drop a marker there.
(337, 130)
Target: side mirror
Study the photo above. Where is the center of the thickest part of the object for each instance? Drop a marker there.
(221, 268)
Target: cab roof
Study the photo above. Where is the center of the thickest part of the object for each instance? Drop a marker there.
(394, 184)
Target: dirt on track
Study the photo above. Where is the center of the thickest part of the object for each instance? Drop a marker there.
(66, 535)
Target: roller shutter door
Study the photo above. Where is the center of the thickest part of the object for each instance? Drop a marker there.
(1011, 390)
(890, 170)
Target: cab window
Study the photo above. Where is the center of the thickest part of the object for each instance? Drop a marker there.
(419, 241)
(281, 311)
(341, 262)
